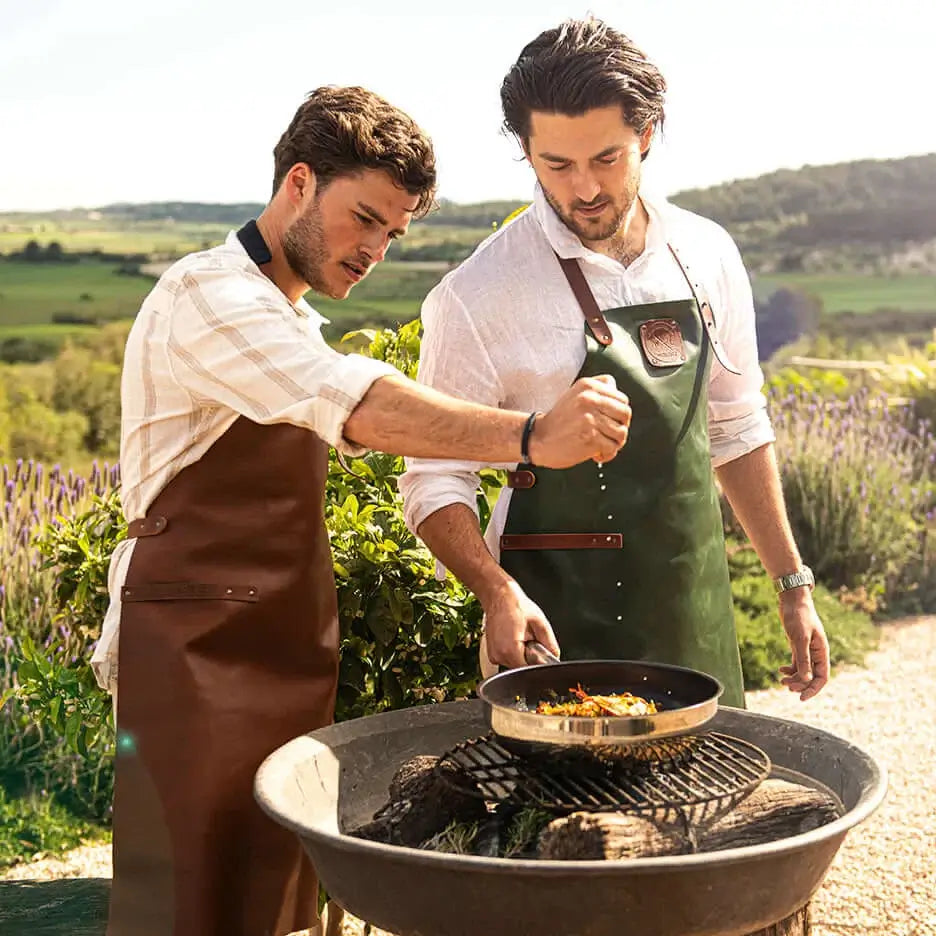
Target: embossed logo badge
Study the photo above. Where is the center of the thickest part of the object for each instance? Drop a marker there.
(662, 343)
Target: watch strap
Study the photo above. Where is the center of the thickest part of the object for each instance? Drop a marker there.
(798, 579)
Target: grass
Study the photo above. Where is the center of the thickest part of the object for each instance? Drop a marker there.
(844, 292)
(31, 827)
(36, 293)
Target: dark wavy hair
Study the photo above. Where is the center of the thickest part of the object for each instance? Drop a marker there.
(340, 131)
(578, 66)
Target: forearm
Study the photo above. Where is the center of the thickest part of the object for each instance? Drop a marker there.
(400, 416)
(752, 485)
(454, 537)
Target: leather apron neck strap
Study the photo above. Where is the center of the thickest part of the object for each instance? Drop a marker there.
(598, 325)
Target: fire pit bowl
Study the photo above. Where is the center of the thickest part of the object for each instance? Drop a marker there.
(336, 778)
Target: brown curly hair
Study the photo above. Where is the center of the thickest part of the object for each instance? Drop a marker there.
(340, 131)
(578, 66)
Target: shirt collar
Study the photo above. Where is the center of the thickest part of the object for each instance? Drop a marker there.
(232, 242)
(567, 245)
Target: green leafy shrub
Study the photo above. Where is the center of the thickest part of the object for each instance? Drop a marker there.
(406, 637)
(822, 382)
(37, 825)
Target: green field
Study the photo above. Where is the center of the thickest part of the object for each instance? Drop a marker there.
(44, 301)
(38, 293)
(853, 293)
(151, 238)
(40, 303)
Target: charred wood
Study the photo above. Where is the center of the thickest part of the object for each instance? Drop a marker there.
(776, 809)
(426, 798)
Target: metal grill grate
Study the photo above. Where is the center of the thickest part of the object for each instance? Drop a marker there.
(709, 773)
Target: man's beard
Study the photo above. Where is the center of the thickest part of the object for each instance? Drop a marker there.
(305, 250)
(612, 229)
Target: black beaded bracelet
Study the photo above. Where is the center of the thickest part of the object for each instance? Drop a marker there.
(525, 440)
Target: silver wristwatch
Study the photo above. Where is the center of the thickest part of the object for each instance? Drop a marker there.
(802, 576)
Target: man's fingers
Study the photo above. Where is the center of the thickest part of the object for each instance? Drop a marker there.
(540, 630)
(603, 380)
(801, 658)
(819, 654)
(819, 650)
(809, 671)
(614, 430)
(509, 653)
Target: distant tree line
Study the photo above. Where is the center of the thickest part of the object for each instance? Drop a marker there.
(867, 216)
(53, 252)
(853, 215)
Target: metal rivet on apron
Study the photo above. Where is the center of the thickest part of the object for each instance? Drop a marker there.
(620, 617)
(251, 591)
(608, 539)
(610, 516)
(619, 584)
(604, 487)
(230, 591)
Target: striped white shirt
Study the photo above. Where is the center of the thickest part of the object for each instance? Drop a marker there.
(213, 341)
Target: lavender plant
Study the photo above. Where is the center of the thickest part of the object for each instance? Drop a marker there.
(47, 729)
(858, 482)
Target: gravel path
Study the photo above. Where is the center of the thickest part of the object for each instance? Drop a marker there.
(883, 880)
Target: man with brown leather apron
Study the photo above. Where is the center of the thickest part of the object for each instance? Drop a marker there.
(223, 595)
(620, 560)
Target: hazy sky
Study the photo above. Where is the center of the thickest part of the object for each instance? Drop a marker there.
(133, 100)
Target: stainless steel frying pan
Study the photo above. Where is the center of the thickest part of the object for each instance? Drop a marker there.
(686, 699)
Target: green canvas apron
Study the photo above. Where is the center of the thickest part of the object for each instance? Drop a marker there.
(627, 559)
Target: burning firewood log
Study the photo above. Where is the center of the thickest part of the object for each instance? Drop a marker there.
(425, 800)
(776, 809)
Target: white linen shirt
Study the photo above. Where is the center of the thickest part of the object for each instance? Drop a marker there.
(504, 329)
(213, 341)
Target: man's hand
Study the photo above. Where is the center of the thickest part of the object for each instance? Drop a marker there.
(512, 619)
(590, 420)
(809, 671)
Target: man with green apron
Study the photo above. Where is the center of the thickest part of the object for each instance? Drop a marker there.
(624, 559)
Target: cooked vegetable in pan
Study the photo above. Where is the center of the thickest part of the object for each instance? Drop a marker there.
(598, 706)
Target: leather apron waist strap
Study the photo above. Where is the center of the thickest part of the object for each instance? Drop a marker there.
(562, 541)
(147, 526)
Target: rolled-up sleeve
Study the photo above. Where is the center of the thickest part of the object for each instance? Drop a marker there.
(738, 419)
(453, 360)
(231, 342)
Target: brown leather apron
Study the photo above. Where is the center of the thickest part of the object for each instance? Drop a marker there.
(228, 649)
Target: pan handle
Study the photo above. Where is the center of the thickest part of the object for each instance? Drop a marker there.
(536, 654)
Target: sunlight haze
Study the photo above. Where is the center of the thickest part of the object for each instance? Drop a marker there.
(105, 101)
